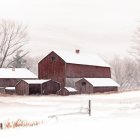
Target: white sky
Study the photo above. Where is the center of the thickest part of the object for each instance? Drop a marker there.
(101, 26)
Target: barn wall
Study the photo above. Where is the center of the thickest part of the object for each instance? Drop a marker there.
(22, 88)
(50, 87)
(8, 82)
(79, 71)
(105, 89)
(52, 69)
(2, 90)
(70, 82)
(9, 91)
(86, 89)
(63, 91)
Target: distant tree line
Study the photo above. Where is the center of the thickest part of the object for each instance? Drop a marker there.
(126, 70)
(14, 36)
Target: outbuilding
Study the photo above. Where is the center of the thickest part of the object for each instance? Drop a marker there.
(67, 91)
(96, 85)
(10, 90)
(38, 87)
(10, 76)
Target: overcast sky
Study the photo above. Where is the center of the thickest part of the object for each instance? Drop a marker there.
(101, 26)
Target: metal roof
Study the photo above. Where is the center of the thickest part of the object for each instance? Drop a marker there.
(70, 89)
(20, 73)
(102, 82)
(81, 58)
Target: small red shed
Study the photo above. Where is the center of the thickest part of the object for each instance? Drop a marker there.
(39, 87)
(94, 85)
(67, 91)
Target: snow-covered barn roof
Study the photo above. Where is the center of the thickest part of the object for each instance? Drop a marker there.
(20, 73)
(36, 81)
(82, 58)
(70, 89)
(102, 82)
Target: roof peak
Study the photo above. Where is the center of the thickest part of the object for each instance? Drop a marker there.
(81, 58)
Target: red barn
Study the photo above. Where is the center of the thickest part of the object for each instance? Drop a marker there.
(67, 91)
(9, 77)
(39, 87)
(94, 85)
(60, 66)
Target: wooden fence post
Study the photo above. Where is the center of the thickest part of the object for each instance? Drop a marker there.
(89, 107)
(1, 126)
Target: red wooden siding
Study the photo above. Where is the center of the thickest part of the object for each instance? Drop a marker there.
(105, 89)
(84, 88)
(55, 68)
(2, 90)
(8, 82)
(50, 87)
(88, 88)
(22, 88)
(79, 71)
(9, 91)
(65, 92)
(52, 67)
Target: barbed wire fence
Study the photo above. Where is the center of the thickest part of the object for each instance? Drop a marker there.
(80, 110)
(57, 111)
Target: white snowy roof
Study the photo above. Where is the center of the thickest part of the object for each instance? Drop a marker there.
(16, 73)
(36, 81)
(82, 58)
(102, 82)
(70, 89)
(10, 88)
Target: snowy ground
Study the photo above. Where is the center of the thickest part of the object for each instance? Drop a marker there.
(114, 116)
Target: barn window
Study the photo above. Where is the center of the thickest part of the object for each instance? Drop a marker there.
(53, 58)
(83, 83)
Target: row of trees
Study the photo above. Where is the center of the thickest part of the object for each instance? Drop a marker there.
(13, 36)
(126, 70)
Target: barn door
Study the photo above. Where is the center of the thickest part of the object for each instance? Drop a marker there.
(83, 87)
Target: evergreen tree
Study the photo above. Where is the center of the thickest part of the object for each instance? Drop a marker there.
(18, 60)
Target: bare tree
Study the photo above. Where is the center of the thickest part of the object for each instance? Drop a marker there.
(32, 63)
(13, 36)
(135, 49)
(125, 72)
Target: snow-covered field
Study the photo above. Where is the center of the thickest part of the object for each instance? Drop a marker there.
(114, 116)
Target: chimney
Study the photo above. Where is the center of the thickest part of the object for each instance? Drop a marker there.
(77, 51)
